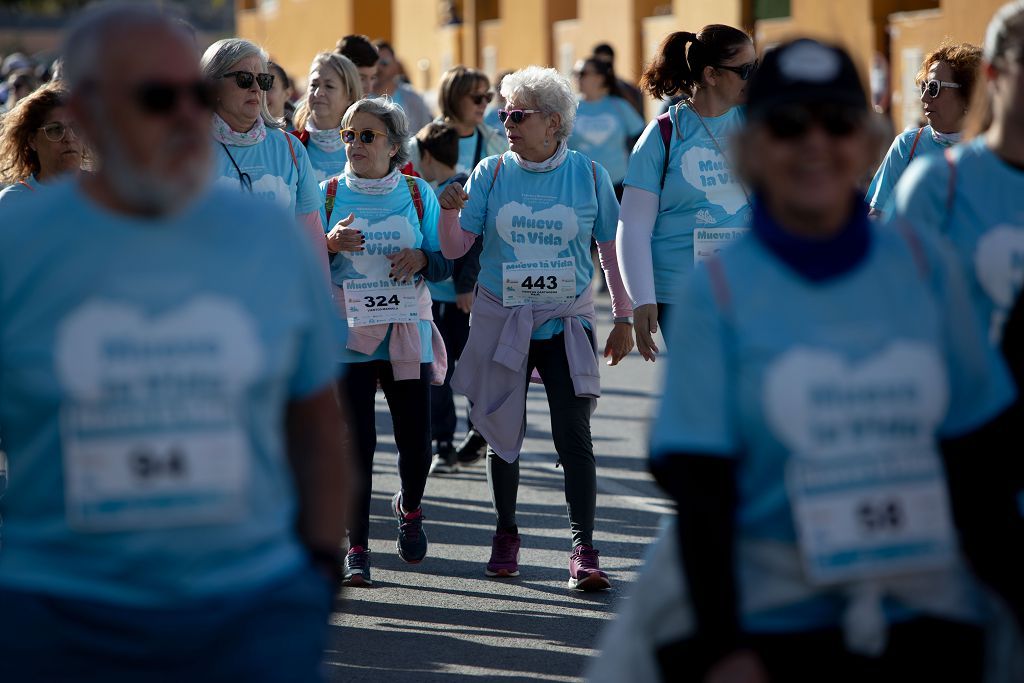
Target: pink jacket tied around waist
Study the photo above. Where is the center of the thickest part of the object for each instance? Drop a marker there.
(404, 345)
(492, 369)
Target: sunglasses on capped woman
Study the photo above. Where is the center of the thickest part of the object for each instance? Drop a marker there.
(793, 123)
(366, 135)
(244, 79)
(935, 86)
(744, 71)
(517, 115)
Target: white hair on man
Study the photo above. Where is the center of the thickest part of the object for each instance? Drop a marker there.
(543, 89)
(224, 54)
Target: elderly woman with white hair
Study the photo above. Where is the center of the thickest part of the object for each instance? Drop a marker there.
(253, 153)
(538, 206)
(382, 248)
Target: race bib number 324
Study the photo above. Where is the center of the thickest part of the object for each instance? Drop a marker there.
(548, 281)
(380, 302)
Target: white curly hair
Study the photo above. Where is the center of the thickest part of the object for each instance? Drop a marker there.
(545, 89)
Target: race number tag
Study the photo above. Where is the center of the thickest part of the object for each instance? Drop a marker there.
(860, 518)
(709, 241)
(547, 281)
(116, 482)
(380, 302)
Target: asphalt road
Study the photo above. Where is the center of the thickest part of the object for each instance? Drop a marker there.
(443, 620)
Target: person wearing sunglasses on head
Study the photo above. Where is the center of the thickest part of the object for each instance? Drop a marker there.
(537, 207)
(606, 124)
(252, 152)
(384, 245)
(176, 497)
(946, 80)
(391, 83)
(803, 432)
(333, 87)
(682, 201)
(39, 142)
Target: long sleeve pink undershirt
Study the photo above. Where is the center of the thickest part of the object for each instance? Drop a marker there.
(455, 242)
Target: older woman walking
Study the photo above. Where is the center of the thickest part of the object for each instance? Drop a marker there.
(538, 206)
(333, 87)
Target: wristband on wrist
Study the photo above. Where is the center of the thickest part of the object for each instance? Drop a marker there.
(624, 319)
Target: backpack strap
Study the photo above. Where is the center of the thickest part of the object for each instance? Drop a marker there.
(22, 182)
(477, 154)
(497, 167)
(302, 135)
(951, 187)
(916, 248)
(332, 192)
(417, 198)
(665, 127)
(913, 147)
(291, 149)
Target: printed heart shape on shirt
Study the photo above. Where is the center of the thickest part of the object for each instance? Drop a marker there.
(706, 170)
(999, 263)
(385, 237)
(537, 235)
(596, 129)
(821, 406)
(210, 344)
(273, 188)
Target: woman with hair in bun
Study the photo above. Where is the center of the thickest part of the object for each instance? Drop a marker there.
(681, 201)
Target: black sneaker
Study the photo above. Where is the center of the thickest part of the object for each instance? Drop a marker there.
(357, 567)
(472, 448)
(412, 541)
(444, 461)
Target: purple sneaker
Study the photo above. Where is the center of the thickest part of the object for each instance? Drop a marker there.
(504, 560)
(584, 571)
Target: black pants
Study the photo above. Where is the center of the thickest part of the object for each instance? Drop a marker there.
(570, 431)
(924, 649)
(454, 327)
(409, 403)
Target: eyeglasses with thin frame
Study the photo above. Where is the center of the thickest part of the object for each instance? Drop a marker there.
(244, 79)
(56, 131)
(366, 135)
(517, 115)
(482, 98)
(935, 86)
(744, 71)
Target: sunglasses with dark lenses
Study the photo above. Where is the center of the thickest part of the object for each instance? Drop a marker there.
(244, 79)
(56, 131)
(517, 115)
(792, 123)
(157, 97)
(935, 86)
(744, 71)
(366, 135)
(481, 99)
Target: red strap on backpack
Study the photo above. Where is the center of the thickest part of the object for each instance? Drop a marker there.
(332, 192)
(288, 139)
(417, 198)
(913, 147)
(665, 127)
(302, 135)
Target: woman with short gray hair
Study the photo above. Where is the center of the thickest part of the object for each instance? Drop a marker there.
(383, 243)
(538, 206)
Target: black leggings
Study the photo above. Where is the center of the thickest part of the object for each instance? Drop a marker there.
(570, 431)
(453, 325)
(409, 403)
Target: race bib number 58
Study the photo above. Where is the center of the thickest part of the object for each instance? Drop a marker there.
(549, 281)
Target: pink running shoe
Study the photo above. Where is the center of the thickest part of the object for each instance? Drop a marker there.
(584, 571)
(504, 555)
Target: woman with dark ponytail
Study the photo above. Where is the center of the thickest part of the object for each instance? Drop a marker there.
(681, 201)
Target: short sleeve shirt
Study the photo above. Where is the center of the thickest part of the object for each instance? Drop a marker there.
(275, 174)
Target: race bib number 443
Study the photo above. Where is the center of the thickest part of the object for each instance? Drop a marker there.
(380, 302)
(548, 281)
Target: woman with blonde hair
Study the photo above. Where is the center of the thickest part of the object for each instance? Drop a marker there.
(333, 87)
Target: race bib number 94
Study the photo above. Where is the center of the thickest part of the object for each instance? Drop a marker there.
(380, 302)
(548, 281)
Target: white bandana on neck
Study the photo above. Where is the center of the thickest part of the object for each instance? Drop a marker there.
(223, 133)
(946, 139)
(547, 165)
(328, 140)
(384, 185)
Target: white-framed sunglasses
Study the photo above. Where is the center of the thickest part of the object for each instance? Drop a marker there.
(935, 86)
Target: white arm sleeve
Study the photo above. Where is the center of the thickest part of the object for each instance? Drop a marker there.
(638, 212)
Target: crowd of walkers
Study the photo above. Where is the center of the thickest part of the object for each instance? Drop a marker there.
(188, 427)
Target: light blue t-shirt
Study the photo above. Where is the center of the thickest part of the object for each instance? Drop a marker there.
(274, 173)
(389, 223)
(471, 150)
(602, 132)
(880, 193)
(700, 189)
(443, 291)
(983, 218)
(143, 382)
(526, 216)
(325, 164)
(491, 119)
(782, 370)
(19, 190)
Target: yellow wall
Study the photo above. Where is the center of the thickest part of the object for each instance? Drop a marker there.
(692, 15)
(653, 31)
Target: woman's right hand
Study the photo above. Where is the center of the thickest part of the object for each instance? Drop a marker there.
(343, 238)
(645, 324)
(739, 666)
(453, 197)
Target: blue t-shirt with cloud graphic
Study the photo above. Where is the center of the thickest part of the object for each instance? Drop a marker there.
(275, 175)
(602, 131)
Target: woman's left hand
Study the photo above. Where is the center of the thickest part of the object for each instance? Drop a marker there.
(620, 343)
(406, 263)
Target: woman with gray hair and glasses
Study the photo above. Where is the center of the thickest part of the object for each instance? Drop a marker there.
(253, 152)
(538, 207)
(383, 244)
